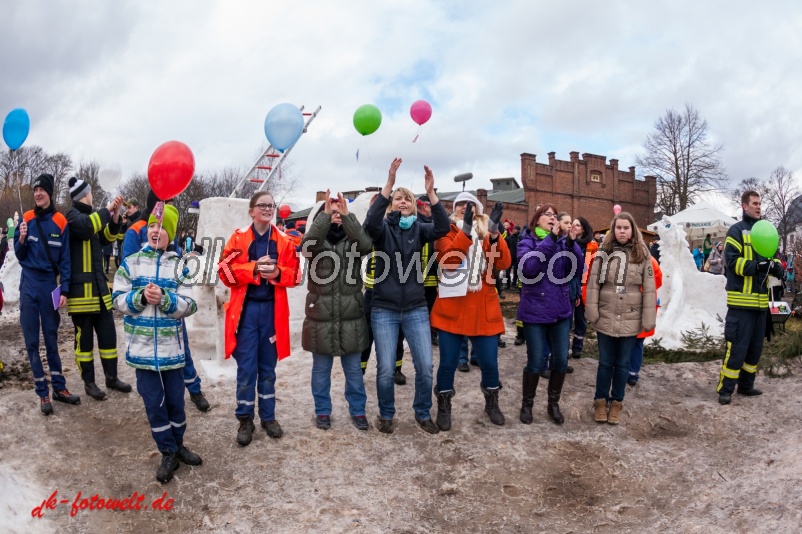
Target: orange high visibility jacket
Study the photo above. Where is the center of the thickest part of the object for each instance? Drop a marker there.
(236, 272)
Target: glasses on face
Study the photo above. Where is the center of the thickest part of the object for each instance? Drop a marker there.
(548, 215)
(265, 207)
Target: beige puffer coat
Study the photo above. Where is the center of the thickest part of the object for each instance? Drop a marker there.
(624, 303)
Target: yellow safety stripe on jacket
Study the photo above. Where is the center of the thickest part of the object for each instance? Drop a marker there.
(86, 259)
(97, 224)
(742, 300)
(431, 278)
(108, 354)
(370, 272)
(89, 304)
(734, 243)
(749, 255)
(108, 235)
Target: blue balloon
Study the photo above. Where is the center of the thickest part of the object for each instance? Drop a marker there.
(284, 125)
(16, 127)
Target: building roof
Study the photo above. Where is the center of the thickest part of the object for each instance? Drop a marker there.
(302, 214)
(513, 196)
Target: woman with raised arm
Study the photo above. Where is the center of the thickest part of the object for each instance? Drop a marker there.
(399, 300)
(258, 263)
(471, 307)
(335, 324)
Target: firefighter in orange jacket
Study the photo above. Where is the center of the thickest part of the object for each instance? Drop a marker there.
(258, 263)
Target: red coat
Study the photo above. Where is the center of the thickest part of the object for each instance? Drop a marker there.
(478, 313)
(658, 281)
(236, 272)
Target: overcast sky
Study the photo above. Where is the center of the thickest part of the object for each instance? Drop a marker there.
(112, 80)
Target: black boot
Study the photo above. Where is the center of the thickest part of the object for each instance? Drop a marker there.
(554, 391)
(169, 464)
(88, 376)
(519, 336)
(65, 396)
(187, 456)
(491, 406)
(443, 420)
(245, 431)
(112, 382)
(529, 389)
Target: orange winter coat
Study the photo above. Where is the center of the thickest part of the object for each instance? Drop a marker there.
(658, 281)
(236, 272)
(478, 313)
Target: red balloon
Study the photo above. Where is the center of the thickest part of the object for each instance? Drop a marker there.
(170, 169)
(284, 211)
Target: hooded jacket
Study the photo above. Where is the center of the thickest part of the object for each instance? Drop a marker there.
(478, 313)
(621, 296)
(398, 284)
(335, 322)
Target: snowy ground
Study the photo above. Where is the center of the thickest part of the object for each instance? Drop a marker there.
(677, 462)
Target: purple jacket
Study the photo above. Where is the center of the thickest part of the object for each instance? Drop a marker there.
(545, 292)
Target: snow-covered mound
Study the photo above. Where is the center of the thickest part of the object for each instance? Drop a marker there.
(688, 297)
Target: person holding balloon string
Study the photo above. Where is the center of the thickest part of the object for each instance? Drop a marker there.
(747, 249)
(258, 264)
(398, 238)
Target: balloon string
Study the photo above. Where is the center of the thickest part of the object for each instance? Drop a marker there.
(417, 158)
(14, 162)
(370, 160)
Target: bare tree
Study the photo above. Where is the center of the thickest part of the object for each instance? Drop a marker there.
(89, 172)
(747, 184)
(780, 191)
(681, 156)
(60, 166)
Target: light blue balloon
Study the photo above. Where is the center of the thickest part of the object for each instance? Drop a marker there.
(16, 127)
(284, 125)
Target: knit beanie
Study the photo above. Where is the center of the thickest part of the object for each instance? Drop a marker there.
(46, 182)
(169, 221)
(467, 197)
(78, 189)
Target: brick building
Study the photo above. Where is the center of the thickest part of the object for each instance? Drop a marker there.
(589, 187)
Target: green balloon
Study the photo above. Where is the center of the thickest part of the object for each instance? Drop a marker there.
(765, 239)
(367, 119)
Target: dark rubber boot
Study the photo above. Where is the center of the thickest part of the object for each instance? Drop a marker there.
(491, 406)
(555, 389)
(88, 376)
(519, 336)
(529, 389)
(112, 382)
(443, 420)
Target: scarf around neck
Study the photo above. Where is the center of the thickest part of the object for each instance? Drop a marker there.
(406, 222)
(540, 232)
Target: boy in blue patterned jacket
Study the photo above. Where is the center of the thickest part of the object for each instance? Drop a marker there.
(154, 295)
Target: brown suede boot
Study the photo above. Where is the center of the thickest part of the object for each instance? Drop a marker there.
(600, 410)
(615, 412)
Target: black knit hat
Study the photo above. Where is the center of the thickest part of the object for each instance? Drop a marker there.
(45, 181)
(78, 188)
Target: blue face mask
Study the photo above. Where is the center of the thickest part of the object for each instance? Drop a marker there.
(406, 222)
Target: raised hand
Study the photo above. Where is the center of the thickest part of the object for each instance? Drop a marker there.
(343, 203)
(327, 203)
(467, 218)
(23, 231)
(428, 180)
(393, 170)
(495, 214)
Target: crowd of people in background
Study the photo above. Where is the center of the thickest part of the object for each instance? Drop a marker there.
(433, 278)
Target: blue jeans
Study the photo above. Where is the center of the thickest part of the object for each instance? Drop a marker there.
(386, 324)
(354, 386)
(463, 351)
(256, 361)
(486, 353)
(541, 337)
(636, 360)
(611, 378)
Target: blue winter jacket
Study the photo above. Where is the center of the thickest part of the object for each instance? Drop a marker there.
(546, 280)
(33, 252)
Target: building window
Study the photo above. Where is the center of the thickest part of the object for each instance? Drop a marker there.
(595, 176)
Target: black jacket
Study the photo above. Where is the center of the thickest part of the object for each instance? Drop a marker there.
(89, 232)
(746, 287)
(512, 244)
(392, 244)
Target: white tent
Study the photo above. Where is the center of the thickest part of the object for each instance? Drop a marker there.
(699, 220)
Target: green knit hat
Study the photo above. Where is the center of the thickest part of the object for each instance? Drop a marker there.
(169, 221)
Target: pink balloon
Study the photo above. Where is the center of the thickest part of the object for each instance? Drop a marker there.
(420, 111)
(616, 209)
